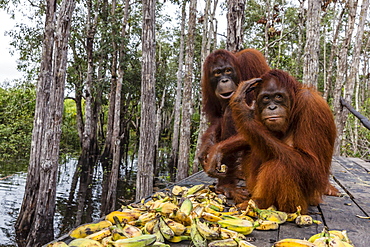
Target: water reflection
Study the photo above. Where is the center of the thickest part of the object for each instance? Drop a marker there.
(68, 212)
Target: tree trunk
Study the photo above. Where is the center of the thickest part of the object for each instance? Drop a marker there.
(184, 149)
(235, 20)
(339, 111)
(177, 108)
(34, 225)
(144, 182)
(311, 49)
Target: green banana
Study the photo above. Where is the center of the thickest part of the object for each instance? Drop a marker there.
(139, 241)
(186, 206)
(194, 189)
(84, 242)
(197, 239)
(244, 227)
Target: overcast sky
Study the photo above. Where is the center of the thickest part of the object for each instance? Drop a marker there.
(8, 65)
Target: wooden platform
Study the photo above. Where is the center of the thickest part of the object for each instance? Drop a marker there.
(351, 176)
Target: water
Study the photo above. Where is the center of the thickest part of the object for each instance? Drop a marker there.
(11, 195)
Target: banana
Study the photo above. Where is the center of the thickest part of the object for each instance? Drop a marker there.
(84, 242)
(291, 242)
(244, 227)
(330, 241)
(197, 239)
(167, 208)
(177, 239)
(57, 244)
(304, 220)
(131, 231)
(226, 233)
(157, 232)
(100, 234)
(89, 228)
(183, 218)
(117, 233)
(149, 226)
(272, 215)
(206, 231)
(186, 206)
(216, 206)
(123, 216)
(177, 228)
(165, 229)
(106, 241)
(267, 225)
(194, 189)
(208, 209)
(139, 241)
(159, 244)
(210, 217)
(292, 216)
(143, 219)
(223, 243)
(177, 190)
(243, 243)
(341, 235)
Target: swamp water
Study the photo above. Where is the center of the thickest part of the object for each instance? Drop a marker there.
(70, 210)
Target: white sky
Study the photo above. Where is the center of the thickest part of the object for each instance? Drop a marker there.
(8, 65)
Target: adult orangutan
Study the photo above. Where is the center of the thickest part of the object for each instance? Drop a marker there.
(291, 133)
(222, 72)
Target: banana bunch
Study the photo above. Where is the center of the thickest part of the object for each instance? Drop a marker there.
(195, 214)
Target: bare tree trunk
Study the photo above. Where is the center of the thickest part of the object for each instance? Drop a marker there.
(177, 108)
(333, 54)
(144, 182)
(206, 45)
(34, 225)
(184, 148)
(339, 111)
(110, 192)
(235, 20)
(311, 49)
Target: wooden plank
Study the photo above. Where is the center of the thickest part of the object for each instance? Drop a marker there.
(364, 164)
(356, 188)
(357, 170)
(340, 214)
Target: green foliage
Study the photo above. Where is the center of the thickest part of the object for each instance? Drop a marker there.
(70, 142)
(17, 106)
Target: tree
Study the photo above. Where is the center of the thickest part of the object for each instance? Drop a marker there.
(311, 49)
(34, 225)
(144, 181)
(235, 21)
(184, 148)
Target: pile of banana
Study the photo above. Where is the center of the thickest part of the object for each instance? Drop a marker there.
(195, 214)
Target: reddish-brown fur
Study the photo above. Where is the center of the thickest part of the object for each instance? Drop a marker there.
(221, 134)
(290, 168)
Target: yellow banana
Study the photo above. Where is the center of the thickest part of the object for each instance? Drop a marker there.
(244, 227)
(117, 233)
(267, 225)
(143, 219)
(208, 209)
(177, 239)
(100, 234)
(106, 241)
(183, 218)
(210, 217)
(291, 242)
(226, 233)
(292, 216)
(139, 241)
(126, 216)
(341, 234)
(165, 229)
(167, 208)
(223, 243)
(177, 228)
(206, 231)
(89, 228)
(272, 215)
(216, 206)
(157, 232)
(305, 220)
(177, 190)
(84, 242)
(197, 239)
(330, 241)
(160, 244)
(131, 231)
